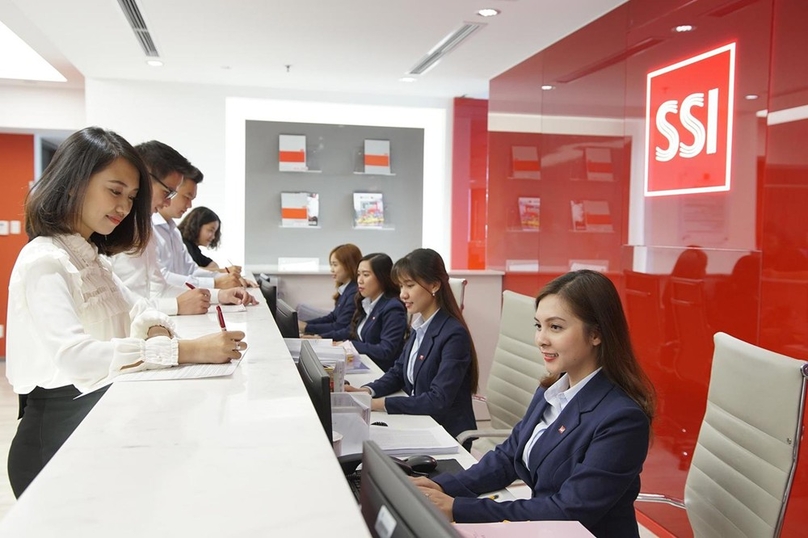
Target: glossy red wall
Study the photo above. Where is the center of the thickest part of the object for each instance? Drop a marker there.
(689, 265)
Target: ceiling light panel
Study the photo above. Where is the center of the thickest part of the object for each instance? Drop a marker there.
(444, 47)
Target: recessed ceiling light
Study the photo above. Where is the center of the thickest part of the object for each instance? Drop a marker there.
(751, 96)
(20, 62)
(155, 63)
(407, 79)
(684, 28)
(546, 87)
(488, 12)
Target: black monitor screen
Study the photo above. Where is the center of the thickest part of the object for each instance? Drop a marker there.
(392, 506)
(270, 293)
(286, 319)
(318, 384)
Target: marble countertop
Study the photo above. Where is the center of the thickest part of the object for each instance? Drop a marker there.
(243, 455)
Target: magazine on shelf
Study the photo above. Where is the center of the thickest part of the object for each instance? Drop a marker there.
(599, 165)
(377, 157)
(368, 209)
(525, 163)
(529, 209)
(591, 216)
(292, 153)
(300, 209)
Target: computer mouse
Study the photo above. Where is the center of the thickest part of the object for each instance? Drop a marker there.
(422, 463)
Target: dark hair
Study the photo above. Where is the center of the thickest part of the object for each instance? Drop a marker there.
(195, 175)
(162, 160)
(380, 265)
(54, 204)
(425, 266)
(593, 299)
(193, 222)
(349, 256)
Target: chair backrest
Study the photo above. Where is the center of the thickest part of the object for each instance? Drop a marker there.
(689, 310)
(745, 457)
(516, 368)
(458, 286)
(643, 309)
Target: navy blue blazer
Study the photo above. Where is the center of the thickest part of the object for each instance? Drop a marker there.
(339, 318)
(382, 334)
(442, 375)
(585, 466)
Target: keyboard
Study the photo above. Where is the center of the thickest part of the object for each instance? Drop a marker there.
(355, 482)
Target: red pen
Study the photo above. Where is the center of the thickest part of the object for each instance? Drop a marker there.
(190, 286)
(227, 269)
(221, 317)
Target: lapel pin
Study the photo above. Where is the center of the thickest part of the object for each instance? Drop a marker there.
(420, 357)
(562, 429)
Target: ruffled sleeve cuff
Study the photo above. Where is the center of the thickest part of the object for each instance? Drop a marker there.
(161, 351)
(141, 321)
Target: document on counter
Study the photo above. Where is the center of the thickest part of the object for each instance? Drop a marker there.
(183, 371)
(523, 529)
(408, 442)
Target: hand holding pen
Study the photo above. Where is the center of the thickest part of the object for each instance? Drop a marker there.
(194, 301)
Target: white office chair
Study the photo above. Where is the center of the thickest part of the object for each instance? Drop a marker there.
(515, 372)
(458, 286)
(746, 454)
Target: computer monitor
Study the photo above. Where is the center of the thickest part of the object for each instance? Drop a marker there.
(270, 293)
(317, 383)
(286, 319)
(391, 505)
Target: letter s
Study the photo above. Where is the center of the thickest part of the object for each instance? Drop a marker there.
(692, 124)
(667, 130)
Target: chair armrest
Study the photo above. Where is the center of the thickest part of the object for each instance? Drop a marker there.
(464, 436)
(659, 498)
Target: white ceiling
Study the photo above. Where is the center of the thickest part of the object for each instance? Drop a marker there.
(355, 46)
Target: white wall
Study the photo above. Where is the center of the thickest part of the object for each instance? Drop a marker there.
(194, 120)
(31, 108)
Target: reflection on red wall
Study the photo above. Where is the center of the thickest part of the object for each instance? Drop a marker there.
(732, 261)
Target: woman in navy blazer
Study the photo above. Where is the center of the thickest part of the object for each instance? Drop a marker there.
(379, 321)
(582, 443)
(438, 366)
(344, 261)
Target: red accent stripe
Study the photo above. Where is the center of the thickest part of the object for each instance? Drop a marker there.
(292, 156)
(526, 166)
(377, 160)
(653, 526)
(294, 213)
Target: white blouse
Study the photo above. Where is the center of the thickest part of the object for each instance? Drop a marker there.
(72, 322)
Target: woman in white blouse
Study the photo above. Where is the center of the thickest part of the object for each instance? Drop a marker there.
(72, 325)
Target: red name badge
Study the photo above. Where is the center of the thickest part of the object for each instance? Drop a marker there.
(688, 123)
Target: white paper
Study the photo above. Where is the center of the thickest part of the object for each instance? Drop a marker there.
(433, 440)
(184, 371)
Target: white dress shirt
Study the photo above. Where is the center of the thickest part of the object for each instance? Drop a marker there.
(72, 322)
(141, 274)
(177, 266)
(367, 306)
(419, 327)
(558, 396)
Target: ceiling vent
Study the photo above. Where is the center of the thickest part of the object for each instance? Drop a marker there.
(138, 25)
(446, 45)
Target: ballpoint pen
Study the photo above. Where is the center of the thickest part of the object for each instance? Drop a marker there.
(221, 317)
(190, 286)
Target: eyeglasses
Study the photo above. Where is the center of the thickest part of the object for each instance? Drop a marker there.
(170, 193)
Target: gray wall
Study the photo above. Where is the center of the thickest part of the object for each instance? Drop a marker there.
(337, 150)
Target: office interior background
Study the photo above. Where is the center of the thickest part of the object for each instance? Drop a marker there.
(569, 79)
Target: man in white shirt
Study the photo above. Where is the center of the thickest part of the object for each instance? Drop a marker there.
(141, 274)
(175, 262)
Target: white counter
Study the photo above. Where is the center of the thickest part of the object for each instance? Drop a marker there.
(236, 456)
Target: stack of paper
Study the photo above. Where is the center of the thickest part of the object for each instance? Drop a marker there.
(517, 529)
(407, 442)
